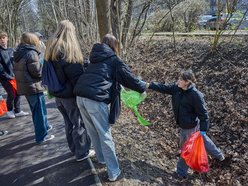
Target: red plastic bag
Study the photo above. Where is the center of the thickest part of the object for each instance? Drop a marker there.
(3, 107)
(194, 153)
(14, 86)
(13, 83)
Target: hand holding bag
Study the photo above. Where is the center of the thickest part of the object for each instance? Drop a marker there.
(194, 153)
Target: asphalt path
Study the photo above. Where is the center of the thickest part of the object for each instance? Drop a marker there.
(22, 162)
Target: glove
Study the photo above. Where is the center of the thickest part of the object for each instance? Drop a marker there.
(202, 133)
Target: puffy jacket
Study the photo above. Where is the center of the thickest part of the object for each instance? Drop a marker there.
(27, 70)
(104, 68)
(68, 74)
(188, 105)
(6, 63)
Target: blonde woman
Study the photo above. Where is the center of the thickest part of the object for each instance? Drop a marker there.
(63, 51)
(27, 70)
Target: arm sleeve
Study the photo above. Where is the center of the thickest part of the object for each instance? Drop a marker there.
(201, 111)
(163, 88)
(33, 65)
(126, 78)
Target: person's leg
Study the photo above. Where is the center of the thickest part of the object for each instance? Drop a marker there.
(182, 167)
(212, 149)
(68, 124)
(78, 140)
(37, 103)
(17, 104)
(91, 130)
(10, 94)
(98, 112)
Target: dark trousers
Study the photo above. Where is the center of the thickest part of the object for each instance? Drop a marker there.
(76, 135)
(13, 100)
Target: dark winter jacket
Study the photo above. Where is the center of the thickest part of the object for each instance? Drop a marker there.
(99, 77)
(27, 70)
(188, 105)
(6, 63)
(68, 74)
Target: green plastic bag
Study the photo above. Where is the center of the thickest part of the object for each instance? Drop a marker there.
(132, 99)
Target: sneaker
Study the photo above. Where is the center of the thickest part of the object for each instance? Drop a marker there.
(50, 127)
(116, 178)
(10, 114)
(91, 154)
(48, 137)
(21, 113)
(222, 158)
(3, 132)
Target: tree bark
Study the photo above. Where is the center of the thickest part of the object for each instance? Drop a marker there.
(103, 17)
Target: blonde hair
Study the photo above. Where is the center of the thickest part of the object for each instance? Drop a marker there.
(31, 39)
(112, 42)
(64, 42)
(3, 34)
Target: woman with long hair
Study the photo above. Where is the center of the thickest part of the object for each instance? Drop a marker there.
(98, 88)
(63, 51)
(27, 70)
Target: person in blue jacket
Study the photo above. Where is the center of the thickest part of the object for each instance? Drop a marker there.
(98, 88)
(190, 113)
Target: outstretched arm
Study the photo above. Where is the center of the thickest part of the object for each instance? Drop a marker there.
(163, 88)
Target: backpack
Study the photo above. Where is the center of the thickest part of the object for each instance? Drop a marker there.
(49, 77)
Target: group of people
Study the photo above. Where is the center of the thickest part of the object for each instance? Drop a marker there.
(90, 92)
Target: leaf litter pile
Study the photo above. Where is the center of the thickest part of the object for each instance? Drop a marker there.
(148, 155)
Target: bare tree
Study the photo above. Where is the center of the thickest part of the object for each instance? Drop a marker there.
(103, 16)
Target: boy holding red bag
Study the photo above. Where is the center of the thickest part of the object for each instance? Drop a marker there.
(190, 113)
(7, 78)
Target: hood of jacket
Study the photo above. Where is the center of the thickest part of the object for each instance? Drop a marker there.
(21, 51)
(100, 52)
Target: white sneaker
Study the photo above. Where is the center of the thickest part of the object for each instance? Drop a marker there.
(48, 137)
(3, 132)
(10, 114)
(22, 113)
(91, 154)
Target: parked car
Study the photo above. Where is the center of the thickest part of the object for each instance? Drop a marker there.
(203, 19)
(214, 22)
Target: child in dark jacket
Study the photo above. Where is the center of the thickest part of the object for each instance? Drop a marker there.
(190, 113)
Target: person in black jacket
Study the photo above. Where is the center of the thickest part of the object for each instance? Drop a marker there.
(6, 75)
(99, 87)
(63, 51)
(190, 113)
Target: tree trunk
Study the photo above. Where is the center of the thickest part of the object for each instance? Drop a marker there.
(103, 16)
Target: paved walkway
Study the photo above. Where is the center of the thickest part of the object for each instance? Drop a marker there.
(22, 162)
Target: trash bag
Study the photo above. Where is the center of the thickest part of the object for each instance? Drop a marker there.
(13, 83)
(132, 99)
(3, 107)
(194, 153)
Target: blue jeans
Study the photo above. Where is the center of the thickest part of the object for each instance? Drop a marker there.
(39, 115)
(95, 116)
(182, 167)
